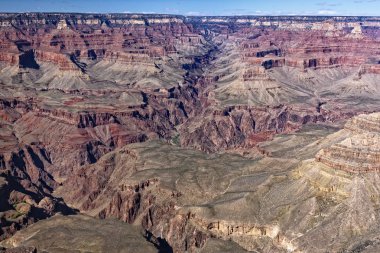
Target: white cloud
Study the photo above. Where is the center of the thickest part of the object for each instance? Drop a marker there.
(193, 13)
(327, 12)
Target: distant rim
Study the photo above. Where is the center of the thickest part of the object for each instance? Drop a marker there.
(193, 16)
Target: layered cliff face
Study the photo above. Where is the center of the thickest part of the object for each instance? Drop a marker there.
(359, 153)
(142, 117)
(69, 52)
(275, 66)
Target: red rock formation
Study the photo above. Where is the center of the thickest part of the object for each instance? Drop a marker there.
(341, 51)
(243, 126)
(9, 58)
(60, 60)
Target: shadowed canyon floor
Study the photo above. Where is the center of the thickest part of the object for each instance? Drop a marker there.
(205, 134)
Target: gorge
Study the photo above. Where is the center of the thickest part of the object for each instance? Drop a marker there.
(178, 133)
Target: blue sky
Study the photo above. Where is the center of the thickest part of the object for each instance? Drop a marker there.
(200, 7)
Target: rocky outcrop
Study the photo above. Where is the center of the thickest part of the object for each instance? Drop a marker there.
(79, 232)
(9, 58)
(360, 153)
(365, 123)
(244, 126)
(62, 61)
(19, 250)
(107, 189)
(26, 189)
(340, 51)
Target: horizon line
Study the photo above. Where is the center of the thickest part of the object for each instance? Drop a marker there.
(184, 15)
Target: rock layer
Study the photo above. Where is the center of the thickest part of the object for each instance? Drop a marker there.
(360, 152)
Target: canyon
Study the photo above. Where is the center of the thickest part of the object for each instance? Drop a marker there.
(177, 133)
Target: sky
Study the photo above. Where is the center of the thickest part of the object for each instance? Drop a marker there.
(200, 7)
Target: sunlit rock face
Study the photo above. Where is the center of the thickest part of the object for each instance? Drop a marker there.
(210, 134)
(360, 152)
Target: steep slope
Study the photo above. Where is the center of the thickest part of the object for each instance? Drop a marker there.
(26, 186)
